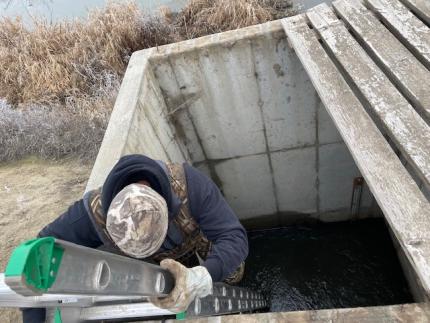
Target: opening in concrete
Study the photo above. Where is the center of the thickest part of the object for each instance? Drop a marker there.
(326, 265)
(240, 107)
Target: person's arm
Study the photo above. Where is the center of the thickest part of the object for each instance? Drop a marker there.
(75, 226)
(219, 223)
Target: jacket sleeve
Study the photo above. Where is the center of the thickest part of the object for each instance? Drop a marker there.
(219, 223)
(75, 226)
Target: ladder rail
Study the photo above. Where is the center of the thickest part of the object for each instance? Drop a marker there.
(94, 272)
(9, 298)
(88, 283)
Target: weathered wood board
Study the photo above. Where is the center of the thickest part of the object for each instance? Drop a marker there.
(405, 313)
(406, 209)
(405, 25)
(401, 121)
(420, 7)
(396, 60)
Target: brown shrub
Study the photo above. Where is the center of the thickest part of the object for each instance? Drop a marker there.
(60, 80)
(48, 63)
(203, 17)
(50, 133)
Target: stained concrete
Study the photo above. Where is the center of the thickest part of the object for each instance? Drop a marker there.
(240, 106)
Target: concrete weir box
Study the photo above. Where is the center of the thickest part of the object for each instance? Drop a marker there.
(240, 107)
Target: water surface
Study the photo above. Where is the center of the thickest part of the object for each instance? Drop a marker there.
(56, 10)
(326, 266)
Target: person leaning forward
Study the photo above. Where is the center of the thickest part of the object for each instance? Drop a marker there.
(162, 212)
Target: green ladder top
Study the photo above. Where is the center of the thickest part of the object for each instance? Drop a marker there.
(37, 261)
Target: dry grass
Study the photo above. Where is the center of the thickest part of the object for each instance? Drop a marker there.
(52, 62)
(50, 133)
(59, 80)
(203, 17)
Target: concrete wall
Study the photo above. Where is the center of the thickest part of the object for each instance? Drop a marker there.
(239, 106)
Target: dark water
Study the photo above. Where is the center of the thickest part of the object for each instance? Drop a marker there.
(326, 266)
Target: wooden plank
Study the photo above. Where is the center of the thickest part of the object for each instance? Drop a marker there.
(406, 209)
(412, 31)
(420, 7)
(404, 125)
(412, 313)
(395, 59)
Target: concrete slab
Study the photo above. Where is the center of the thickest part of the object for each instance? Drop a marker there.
(327, 132)
(289, 113)
(178, 104)
(296, 180)
(230, 124)
(247, 185)
(205, 100)
(155, 111)
(336, 173)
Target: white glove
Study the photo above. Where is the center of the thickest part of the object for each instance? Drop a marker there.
(189, 284)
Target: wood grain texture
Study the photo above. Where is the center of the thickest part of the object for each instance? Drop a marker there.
(420, 7)
(406, 209)
(406, 313)
(413, 32)
(396, 60)
(404, 125)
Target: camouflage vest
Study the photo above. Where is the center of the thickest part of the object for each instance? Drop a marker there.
(194, 247)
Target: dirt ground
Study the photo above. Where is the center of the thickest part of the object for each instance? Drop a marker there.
(32, 194)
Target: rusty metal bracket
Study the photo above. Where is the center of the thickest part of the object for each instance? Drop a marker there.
(357, 192)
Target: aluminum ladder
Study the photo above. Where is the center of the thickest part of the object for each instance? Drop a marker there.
(78, 284)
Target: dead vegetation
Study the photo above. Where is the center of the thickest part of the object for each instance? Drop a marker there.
(53, 62)
(60, 80)
(203, 17)
(49, 132)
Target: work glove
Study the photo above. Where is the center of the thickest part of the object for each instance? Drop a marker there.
(189, 284)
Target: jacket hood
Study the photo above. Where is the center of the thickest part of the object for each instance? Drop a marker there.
(131, 169)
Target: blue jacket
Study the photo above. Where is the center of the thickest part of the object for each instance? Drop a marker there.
(214, 216)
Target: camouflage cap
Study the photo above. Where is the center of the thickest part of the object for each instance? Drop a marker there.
(137, 220)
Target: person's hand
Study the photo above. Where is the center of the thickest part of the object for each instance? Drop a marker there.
(189, 284)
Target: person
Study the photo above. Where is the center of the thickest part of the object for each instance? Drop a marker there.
(165, 213)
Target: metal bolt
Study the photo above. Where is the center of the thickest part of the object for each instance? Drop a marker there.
(52, 274)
